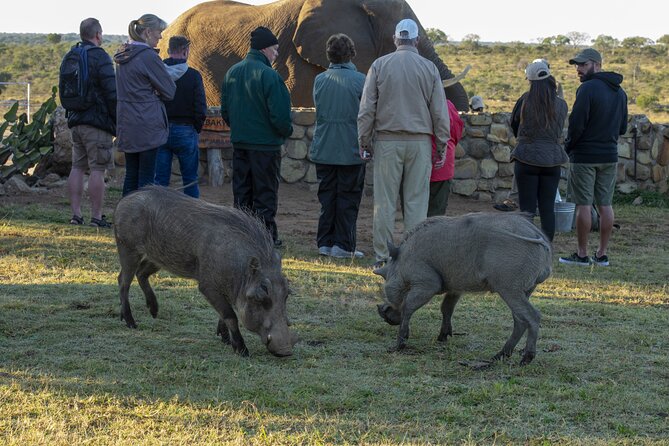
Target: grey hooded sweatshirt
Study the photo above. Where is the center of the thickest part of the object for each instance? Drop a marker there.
(142, 84)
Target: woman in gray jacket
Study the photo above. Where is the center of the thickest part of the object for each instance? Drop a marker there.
(537, 121)
(142, 84)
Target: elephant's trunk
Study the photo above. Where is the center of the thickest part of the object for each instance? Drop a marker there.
(426, 50)
(456, 92)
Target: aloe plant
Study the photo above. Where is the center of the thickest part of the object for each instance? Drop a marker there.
(26, 142)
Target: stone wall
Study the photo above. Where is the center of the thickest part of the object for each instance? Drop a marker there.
(483, 169)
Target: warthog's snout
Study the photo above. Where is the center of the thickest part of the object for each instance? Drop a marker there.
(281, 346)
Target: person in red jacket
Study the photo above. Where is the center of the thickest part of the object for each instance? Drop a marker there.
(440, 180)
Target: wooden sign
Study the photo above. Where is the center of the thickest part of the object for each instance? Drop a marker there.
(215, 124)
(214, 140)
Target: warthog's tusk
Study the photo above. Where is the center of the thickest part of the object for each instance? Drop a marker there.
(454, 80)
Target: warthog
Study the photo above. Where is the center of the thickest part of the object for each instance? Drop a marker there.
(228, 252)
(502, 253)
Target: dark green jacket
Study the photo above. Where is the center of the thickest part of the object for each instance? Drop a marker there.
(255, 103)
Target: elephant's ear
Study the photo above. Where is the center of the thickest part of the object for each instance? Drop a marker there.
(319, 19)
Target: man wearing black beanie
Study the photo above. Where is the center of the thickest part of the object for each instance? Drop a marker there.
(255, 103)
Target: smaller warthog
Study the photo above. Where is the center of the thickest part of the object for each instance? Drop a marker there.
(228, 252)
(502, 253)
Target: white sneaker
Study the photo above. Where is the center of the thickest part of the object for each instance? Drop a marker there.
(340, 253)
(324, 250)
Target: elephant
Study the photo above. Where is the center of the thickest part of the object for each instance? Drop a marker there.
(220, 35)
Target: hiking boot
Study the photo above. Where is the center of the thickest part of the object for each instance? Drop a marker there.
(575, 259)
(100, 222)
(340, 253)
(324, 250)
(600, 260)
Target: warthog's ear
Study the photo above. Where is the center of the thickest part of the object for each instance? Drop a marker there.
(393, 251)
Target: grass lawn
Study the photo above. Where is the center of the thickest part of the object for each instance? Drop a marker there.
(72, 373)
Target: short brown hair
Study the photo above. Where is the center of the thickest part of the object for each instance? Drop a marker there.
(340, 48)
(178, 44)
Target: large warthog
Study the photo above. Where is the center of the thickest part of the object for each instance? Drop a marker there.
(228, 252)
(501, 253)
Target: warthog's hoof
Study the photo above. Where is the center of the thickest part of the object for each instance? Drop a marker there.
(527, 358)
(129, 321)
(499, 356)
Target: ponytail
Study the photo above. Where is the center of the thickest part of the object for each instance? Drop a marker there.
(147, 21)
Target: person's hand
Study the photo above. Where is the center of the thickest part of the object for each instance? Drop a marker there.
(366, 153)
(440, 160)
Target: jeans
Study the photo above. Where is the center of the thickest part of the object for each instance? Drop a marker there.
(182, 142)
(140, 170)
(339, 192)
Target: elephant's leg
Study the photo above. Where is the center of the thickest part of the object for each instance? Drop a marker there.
(147, 269)
(229, 318)
(129, 260)
(447, 307)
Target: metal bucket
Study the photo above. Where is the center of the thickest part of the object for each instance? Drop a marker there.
(564, 216)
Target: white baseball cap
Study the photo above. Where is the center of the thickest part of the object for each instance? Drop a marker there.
(537, 71)
(406, 26)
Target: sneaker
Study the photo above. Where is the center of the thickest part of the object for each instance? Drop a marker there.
(575, 259)
(324, 250)
(600, 260)
(340, 253)
(100, 222)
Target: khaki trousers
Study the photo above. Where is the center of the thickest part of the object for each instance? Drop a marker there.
(395, 162)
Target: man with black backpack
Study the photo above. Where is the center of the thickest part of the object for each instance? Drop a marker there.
(87, 89)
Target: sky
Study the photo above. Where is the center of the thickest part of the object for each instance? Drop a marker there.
(492, 20)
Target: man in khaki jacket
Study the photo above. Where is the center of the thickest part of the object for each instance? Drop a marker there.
(402, 106)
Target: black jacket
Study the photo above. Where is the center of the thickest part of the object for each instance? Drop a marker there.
(599, 116)
(189, 105)
(102, 114)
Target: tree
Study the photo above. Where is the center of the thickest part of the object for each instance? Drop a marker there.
(577, 39)
(437, 36)
(664, 41)
(471, 41)
(636, 43)
(606, 43)
(53, 38)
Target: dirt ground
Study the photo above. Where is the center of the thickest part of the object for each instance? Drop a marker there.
(297, 217)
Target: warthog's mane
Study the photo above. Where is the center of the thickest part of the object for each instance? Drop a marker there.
(238, 223)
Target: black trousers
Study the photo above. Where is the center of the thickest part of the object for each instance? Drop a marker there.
(339, 192)
(255, 184)
(537, 187)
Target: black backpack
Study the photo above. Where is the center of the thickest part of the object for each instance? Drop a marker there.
(73, 81)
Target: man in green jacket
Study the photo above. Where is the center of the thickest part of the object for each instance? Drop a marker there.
(255, 103)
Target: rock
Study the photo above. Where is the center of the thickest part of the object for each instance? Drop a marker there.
(627, 187)
(505, 169)
(643, 157)
(3, 191)
(17, 183)
(501, 153)
(663, 156)
(466, 168)
(642, 172)
(645, 143)
(502, 118)
(463, 187)
(298, 132)
(459, 151)
(310, 132)
(478, 148)
(624, 149)
(296, 149)
(620, 171)
(477, 132)
(488, 168)
(659, 173)
(304, 116)
(498, 133)
(311, 177)
(292, 170)
(480, 119)
(637, 201)
(504, 183)
(50, 180)
(485, 185)
(484, 197)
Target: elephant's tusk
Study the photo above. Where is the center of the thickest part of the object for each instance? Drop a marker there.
(452, 81)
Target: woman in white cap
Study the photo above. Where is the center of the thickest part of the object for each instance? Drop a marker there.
(537, 121)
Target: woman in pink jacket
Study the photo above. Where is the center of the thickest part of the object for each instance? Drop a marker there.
(440, 180)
